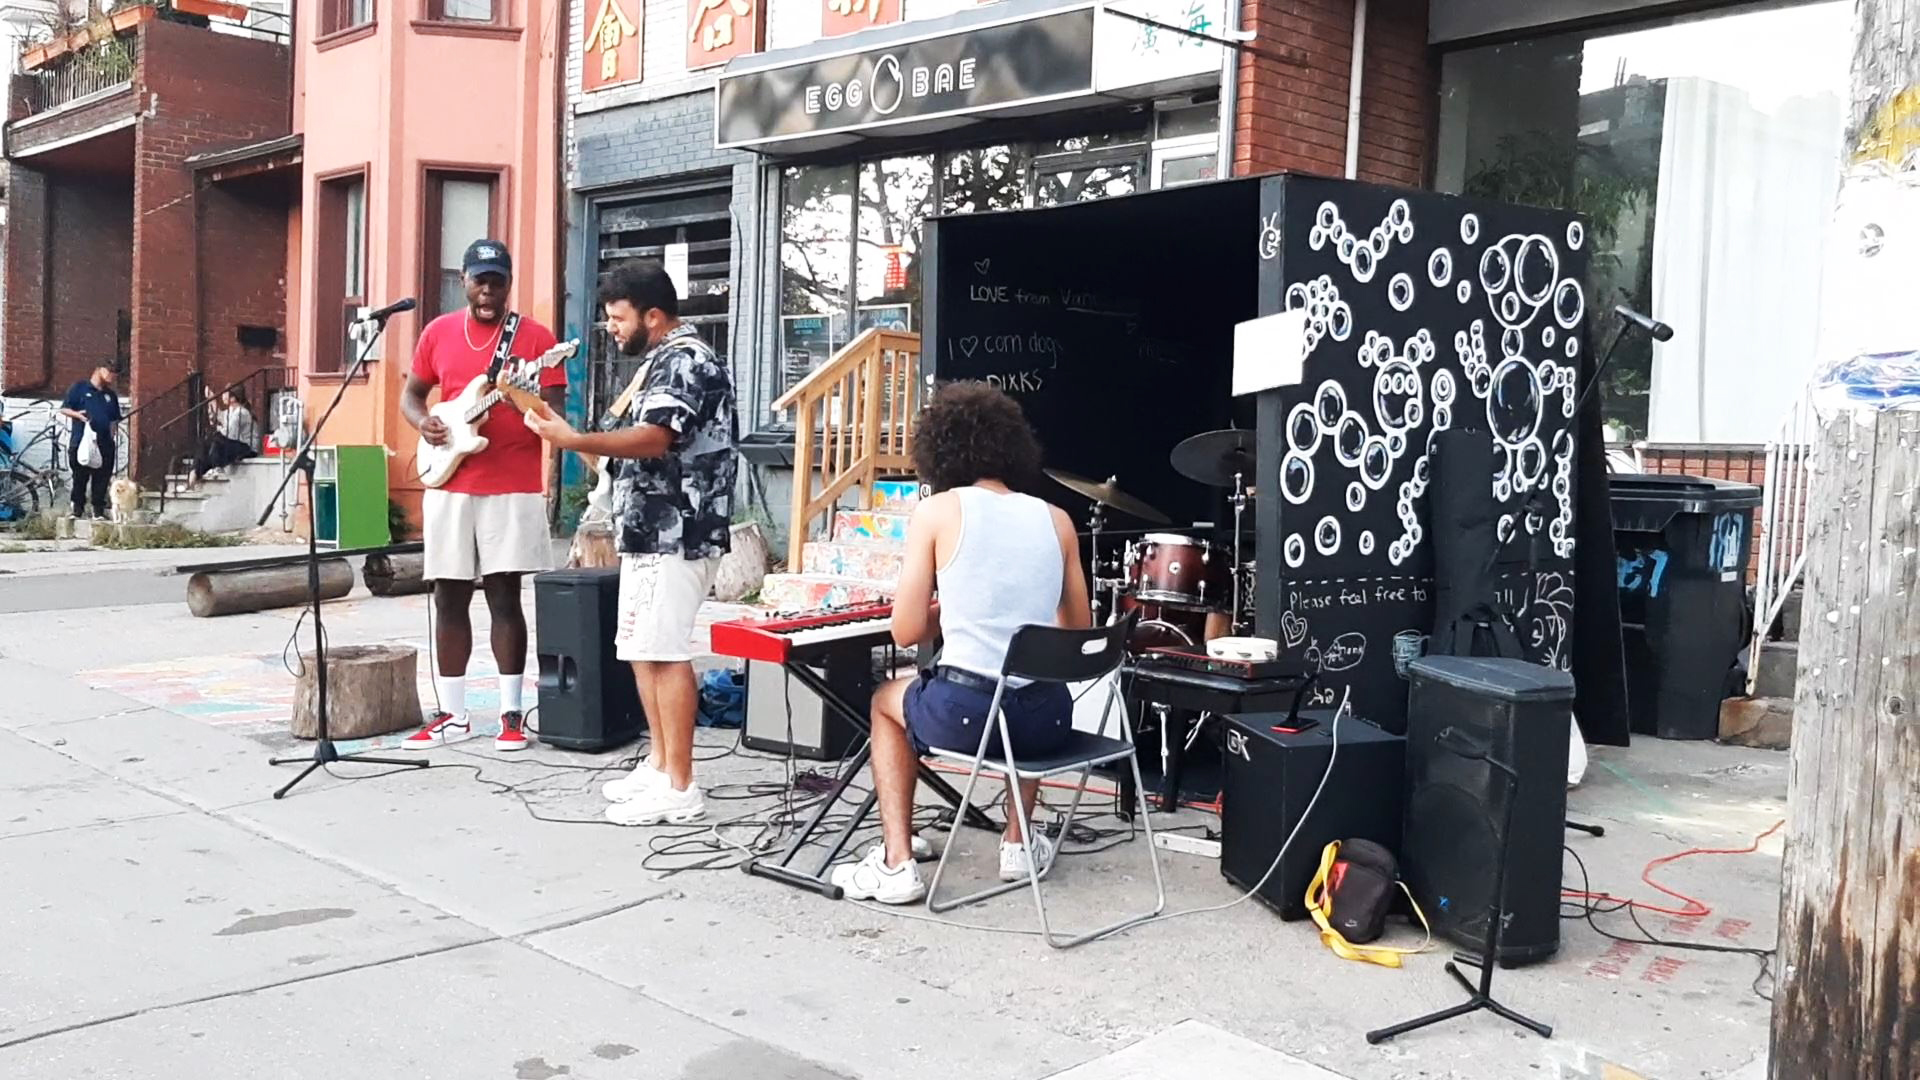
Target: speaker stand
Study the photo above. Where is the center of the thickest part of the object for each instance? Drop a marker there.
(1480, 996)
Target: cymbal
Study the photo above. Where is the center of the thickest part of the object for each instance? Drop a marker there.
(1213, 457)
(1109, 494)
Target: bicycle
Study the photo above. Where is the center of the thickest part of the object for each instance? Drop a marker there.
(21, 484)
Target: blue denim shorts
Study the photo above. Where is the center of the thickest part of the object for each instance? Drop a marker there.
(948, 715)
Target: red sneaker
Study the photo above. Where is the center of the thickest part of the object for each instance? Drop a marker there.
(441, 729)
(513, 732)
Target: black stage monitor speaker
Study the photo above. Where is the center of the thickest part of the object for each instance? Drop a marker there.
(1267, 782)
(587, 697)
(1461, 711)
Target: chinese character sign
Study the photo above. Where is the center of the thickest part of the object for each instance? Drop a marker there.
(847, 16)
(610, 51)
(719, 30)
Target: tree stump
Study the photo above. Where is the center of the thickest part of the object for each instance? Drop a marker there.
(371, 690)
(593, 546)
(233, 592)
(396, 575)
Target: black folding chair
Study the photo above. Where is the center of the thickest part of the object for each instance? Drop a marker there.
(1050, 654)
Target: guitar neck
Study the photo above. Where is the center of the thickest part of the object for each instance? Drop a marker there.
(523, 400)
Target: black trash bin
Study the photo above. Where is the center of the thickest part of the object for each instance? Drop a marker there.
(1682, 544)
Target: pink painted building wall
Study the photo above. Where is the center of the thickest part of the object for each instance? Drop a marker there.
(406, 94)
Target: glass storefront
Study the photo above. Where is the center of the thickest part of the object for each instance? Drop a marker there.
(849, 252)
(1705, 153)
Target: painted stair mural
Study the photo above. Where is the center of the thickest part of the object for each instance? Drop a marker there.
(858, 562)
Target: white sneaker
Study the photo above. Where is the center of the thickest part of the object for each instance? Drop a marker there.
(636, 783)
(872, 879)
(1013, 857)
(658, 804)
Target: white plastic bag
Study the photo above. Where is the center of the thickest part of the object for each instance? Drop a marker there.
(89, 450)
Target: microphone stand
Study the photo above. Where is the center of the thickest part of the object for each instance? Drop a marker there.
(324, 751)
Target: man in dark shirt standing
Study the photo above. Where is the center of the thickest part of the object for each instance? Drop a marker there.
(92, 403)
(673, 498)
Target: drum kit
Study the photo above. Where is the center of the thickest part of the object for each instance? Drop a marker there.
(1177, 581)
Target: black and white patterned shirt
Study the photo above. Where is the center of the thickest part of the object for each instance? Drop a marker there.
(682, 502)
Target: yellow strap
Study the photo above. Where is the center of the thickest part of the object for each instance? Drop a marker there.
(1320, 906)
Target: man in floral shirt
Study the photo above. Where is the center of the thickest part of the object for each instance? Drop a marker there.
(673, 504)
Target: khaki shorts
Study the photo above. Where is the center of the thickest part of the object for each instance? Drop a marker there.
(660, 597)
(474, 536)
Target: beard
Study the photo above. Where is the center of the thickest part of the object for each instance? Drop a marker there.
(633, 346)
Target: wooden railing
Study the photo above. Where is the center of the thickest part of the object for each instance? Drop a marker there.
(852, 423)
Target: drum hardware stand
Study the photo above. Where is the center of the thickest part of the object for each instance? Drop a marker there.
(1239, 507)
(1096, 524)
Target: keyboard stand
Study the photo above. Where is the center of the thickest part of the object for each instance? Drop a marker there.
(787, 868)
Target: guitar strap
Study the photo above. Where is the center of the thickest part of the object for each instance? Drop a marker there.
(503, 350)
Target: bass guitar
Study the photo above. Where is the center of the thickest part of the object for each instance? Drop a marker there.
(466, 412)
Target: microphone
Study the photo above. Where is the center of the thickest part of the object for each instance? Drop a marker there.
(379, 316)
(1660, 331)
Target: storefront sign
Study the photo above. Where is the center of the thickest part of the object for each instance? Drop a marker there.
(846, 16)
(1128, 52)
(719, 30)
(984, 68)
(610, 55)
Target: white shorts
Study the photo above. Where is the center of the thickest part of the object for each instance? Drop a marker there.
(474, 536)
(660, 597)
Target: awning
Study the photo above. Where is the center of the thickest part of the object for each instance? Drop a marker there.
(1013, 58)
(250, 159)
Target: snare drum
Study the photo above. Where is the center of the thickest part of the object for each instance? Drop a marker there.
(1181, 571)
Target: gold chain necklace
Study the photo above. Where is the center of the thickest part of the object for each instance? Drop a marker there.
(466, 331)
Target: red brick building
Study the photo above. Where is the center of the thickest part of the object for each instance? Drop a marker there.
(148, 224)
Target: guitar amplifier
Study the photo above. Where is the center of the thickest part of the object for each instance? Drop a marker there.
(588, 700)
(1269, 779)
(785, 717)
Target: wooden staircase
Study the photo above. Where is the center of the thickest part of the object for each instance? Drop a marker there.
(853, 426)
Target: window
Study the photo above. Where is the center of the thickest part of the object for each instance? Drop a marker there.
(474, 11)
(341, 255)
(340, 16)
(459, 211)
(691, 234)
(1704, 153)
(850, 233)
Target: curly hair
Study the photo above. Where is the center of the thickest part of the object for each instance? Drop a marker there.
(971, 431)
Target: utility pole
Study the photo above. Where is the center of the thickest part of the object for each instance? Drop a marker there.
(1847, 1003)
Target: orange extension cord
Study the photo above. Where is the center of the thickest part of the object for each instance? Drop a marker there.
(1694, 909)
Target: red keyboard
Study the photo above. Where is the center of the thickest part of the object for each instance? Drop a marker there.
(803, 638)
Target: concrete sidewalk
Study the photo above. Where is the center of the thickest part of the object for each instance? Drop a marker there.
(166, 918)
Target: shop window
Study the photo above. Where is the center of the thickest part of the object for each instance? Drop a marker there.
(1704, 153)
(816, 269)
(984, 178)
(896, 195)
(342, 257)
(459, 210)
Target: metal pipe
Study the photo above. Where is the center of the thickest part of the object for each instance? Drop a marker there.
(1356, 77)
(1229, 90)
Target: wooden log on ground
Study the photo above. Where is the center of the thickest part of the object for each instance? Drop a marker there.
(371, 690)
(396, 575)
(1849, 965)
(235, 592)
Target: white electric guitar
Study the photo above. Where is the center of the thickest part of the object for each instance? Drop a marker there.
(465, 412)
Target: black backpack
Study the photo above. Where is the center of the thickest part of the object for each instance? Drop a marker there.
(1351, 897)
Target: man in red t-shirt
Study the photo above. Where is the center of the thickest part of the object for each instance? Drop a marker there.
(488, 522)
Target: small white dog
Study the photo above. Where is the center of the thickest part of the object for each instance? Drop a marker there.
(125, 496)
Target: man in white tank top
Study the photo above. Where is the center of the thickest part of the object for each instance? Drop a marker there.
(1000, 560)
